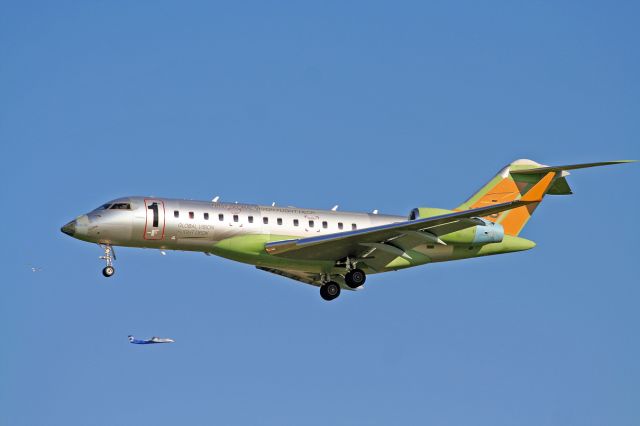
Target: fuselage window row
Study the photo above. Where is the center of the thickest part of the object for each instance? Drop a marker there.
(265, 220)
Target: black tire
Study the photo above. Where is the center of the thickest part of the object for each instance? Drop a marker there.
(108, 271)
(330, 290)
(355, 278)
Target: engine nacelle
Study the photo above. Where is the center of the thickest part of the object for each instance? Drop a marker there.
(424, 212)
(486, 233)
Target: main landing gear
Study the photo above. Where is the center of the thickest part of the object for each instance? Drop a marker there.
(330, 290)
(109, 257)
(354, 278)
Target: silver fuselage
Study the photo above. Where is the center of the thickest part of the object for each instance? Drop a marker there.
(175, 224)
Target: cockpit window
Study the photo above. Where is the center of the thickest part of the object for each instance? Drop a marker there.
(120, 206)
(104, 206)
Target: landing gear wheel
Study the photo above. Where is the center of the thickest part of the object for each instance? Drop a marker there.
(330, 290)
(355, 278)
(109, 257)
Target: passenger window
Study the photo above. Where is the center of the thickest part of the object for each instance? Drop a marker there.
(265, 220)
(206, 216)
(324, 224)
(279, 221)
(220, 217)
(235, 217)
(340, 225)
(353, 226)
(191, 215)
(296, 222)
(311, 224)
(176, 213)
(250, 219)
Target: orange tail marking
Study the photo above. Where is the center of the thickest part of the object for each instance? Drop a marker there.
(515, 219)
(537, 192)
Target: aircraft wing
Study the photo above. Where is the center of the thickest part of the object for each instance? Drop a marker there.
(360, 242)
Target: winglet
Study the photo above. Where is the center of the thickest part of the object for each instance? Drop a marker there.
(536, 193)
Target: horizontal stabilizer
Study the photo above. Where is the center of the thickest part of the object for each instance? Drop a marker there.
(547, 169)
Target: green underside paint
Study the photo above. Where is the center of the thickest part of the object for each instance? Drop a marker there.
(509, 244)
(250, 249)
(425, 212)
(400, 263)
(464, 236)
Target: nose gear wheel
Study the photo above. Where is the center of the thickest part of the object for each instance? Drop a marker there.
(109, 257)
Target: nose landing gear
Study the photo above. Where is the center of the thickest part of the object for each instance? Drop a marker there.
(107, 271)
(109, 257)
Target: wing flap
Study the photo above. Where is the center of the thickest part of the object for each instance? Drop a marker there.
(304, 277)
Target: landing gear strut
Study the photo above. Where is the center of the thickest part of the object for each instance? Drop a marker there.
(354, 277)
(330, 290)
(108, 258)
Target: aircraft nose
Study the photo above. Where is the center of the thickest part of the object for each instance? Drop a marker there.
(69, 228)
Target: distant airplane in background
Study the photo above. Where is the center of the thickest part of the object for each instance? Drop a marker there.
(330, 249)
(149, 341)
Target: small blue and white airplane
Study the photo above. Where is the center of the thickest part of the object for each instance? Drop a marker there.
(149, 341)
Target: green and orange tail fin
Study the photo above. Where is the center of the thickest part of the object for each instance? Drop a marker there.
(519, 178)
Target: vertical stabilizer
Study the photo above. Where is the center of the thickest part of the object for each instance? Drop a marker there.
(517, 179)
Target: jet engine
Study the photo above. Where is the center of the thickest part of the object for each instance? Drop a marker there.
(484, 233)
(488, 233)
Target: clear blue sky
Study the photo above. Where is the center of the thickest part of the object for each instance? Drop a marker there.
(370, 105)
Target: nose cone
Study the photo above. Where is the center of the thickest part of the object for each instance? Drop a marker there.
(69, 228)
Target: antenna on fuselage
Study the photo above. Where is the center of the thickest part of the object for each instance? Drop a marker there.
(334, 208)
(215, 199)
